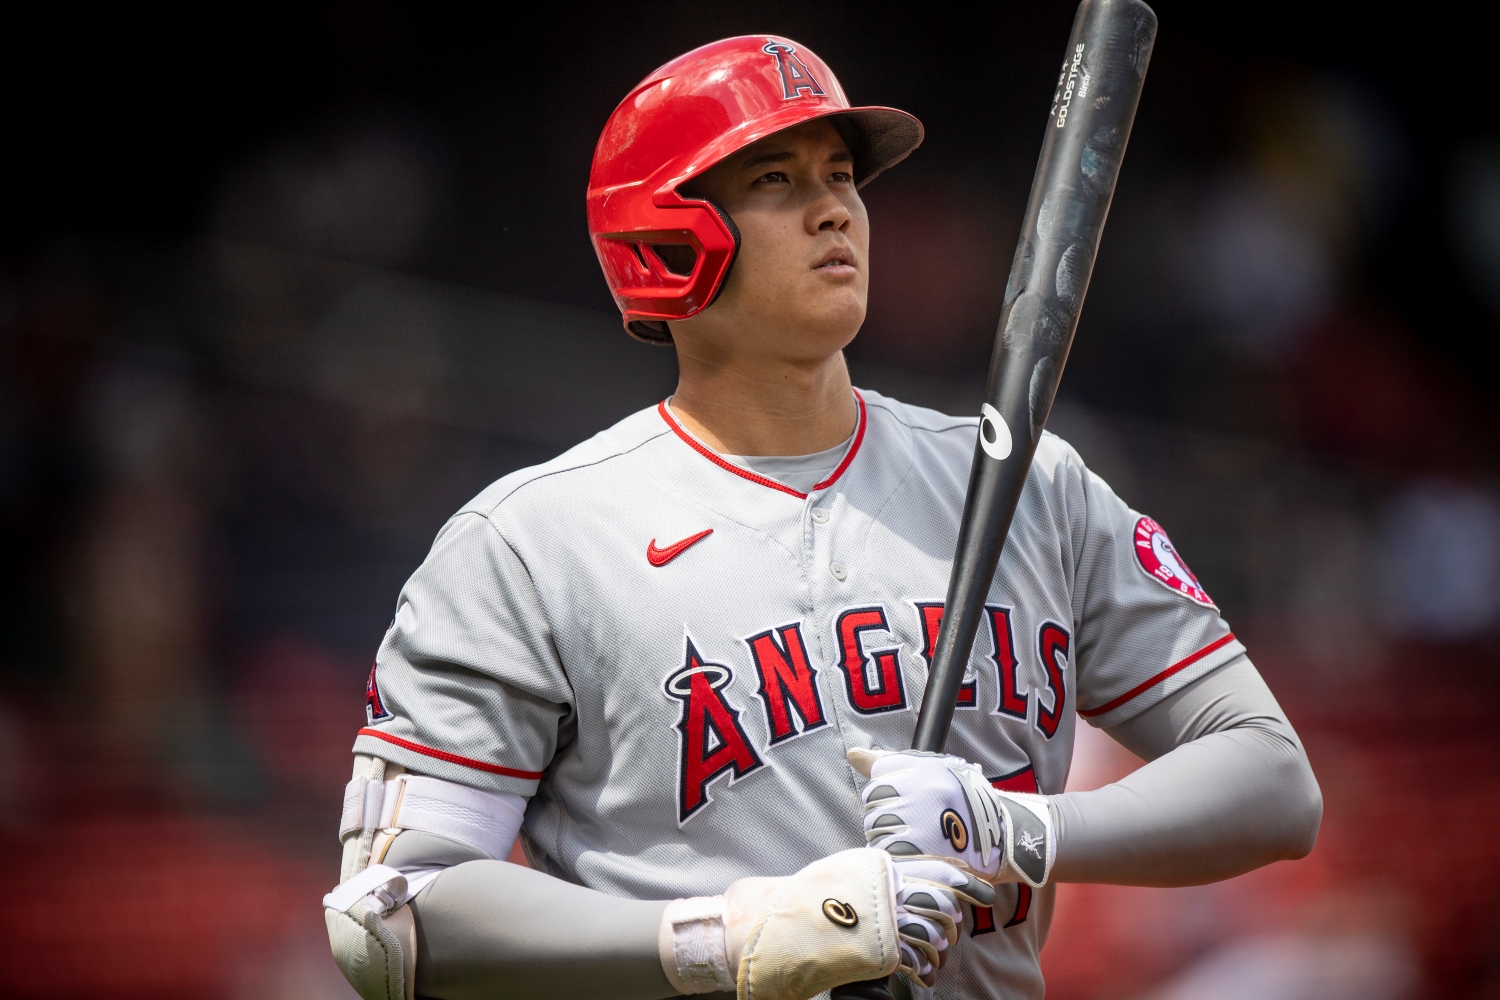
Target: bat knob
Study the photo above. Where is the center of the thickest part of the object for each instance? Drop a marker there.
(869, 989)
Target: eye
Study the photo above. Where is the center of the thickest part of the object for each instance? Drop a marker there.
(774, 177)
(840, 177)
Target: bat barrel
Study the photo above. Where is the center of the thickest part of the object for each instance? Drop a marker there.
(1087, 129)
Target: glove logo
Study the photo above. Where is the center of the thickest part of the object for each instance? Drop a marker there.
(954, 829)
(1029, 841)
(840, 912)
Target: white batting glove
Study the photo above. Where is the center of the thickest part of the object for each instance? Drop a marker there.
(927, 912)
(938, 806)
(852, 916)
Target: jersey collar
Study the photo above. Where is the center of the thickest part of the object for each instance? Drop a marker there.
(717, 459)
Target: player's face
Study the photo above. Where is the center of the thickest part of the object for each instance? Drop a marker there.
(797, 290)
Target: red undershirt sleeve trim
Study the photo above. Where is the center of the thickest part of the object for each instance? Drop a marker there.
(452, 758)
(1182, 664)
(714, 457)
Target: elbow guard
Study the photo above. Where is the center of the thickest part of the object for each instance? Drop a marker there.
(370, 927)
(372, 934)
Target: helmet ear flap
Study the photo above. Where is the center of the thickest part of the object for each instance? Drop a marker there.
(734, 254)
(675, 257)
(672, 267)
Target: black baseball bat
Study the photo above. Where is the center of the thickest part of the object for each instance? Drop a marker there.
(1087, 128)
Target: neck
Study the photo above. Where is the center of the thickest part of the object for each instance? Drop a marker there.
(766, 408)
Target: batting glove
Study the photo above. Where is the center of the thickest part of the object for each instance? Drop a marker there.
(852, 916)
(927, 912)
(938, 806)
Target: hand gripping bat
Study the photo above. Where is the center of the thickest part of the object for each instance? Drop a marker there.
(1087, 128)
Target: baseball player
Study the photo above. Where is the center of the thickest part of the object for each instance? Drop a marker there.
(677, 657)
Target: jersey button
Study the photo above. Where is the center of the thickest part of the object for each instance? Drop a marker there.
(820, 515)
(838, 570)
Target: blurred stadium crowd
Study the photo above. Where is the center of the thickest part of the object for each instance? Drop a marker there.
(246, 377)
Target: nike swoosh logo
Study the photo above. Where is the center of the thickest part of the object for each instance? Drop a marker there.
(660, 557)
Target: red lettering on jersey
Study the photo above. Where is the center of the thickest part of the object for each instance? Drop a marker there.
(712, 740)
(984, 916)
(1022, 780)
(931, 614)
(788, 681)
(1023, 905)
(1013, 700)
(374, 707)
(1052, 642)
(871, 691)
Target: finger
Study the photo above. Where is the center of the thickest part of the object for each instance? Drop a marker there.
(941, 904)
(929, 935)
(917, 936)
(863, 760)
(877, 795)
(946, 924)
(965, 886)
(913, 961)
(883, 825)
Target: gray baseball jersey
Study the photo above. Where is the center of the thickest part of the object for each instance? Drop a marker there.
(671, 654)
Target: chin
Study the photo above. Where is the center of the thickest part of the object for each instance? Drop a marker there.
(828, 331)
(835, 307)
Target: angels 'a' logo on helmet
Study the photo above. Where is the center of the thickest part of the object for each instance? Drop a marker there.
(795, 76)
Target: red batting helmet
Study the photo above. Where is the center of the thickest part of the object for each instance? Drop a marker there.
(665, 256)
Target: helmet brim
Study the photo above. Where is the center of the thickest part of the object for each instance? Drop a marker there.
(878, 138)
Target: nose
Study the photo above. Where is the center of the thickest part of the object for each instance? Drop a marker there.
(828, 214)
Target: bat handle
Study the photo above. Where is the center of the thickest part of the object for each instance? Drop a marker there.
(869, 989)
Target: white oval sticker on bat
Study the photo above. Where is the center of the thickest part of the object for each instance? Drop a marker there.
(994, 434)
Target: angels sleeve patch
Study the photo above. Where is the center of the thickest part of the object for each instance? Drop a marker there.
(1154, 551)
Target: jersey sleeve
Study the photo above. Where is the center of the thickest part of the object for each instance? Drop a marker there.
(1146, 628)
(467, 684)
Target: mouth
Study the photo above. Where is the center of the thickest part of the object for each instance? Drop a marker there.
(836, 261)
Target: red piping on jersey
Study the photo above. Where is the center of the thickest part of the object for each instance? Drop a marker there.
(1186, 661)
(714, 457)
(451, 758)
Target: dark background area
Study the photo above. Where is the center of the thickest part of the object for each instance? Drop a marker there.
(134, 126)
(280, 290)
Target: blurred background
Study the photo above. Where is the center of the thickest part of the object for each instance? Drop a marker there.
(280, 291)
